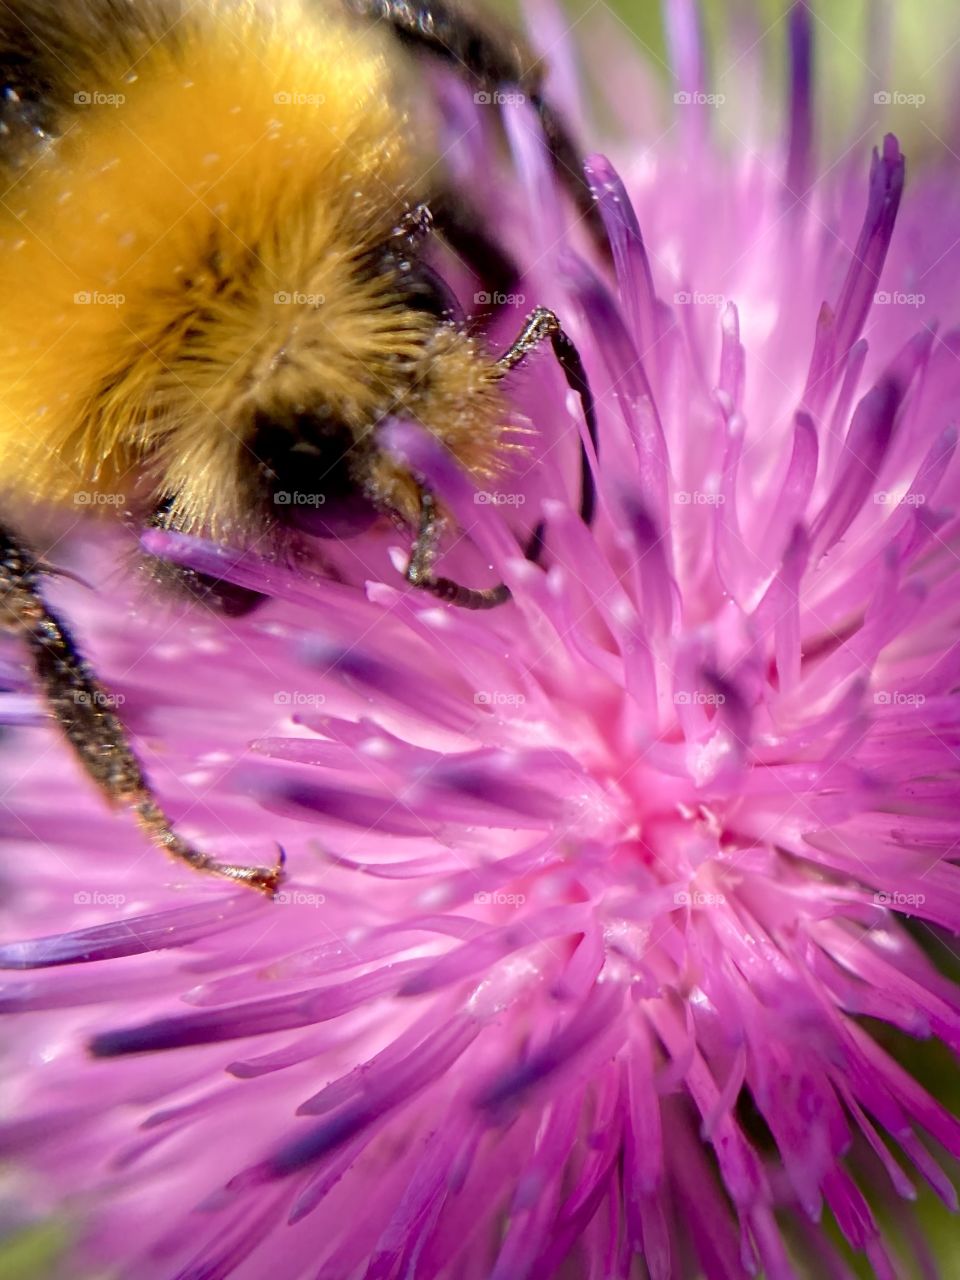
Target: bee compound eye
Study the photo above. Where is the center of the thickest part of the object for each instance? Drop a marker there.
(426, 290)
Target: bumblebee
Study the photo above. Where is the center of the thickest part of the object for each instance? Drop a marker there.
(214, 236)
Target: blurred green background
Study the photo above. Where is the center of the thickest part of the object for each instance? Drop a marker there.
(910, 47)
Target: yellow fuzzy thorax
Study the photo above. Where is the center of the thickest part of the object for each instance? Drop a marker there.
(187, 250)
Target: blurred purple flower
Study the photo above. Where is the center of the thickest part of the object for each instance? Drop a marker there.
(590, 897)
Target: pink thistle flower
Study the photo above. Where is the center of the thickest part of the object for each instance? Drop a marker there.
(590, 896)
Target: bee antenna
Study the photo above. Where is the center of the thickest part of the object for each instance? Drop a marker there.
(415, 224)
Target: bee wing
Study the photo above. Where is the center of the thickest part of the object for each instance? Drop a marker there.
(490, 52)
(490, 55)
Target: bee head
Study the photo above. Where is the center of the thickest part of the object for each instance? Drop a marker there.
(312, 470)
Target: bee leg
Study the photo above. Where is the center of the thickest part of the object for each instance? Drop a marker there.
(489, 59)
(83, 710)
(424, 552)
(539, 326)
